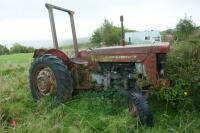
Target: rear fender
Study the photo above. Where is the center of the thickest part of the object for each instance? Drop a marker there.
(55, 52)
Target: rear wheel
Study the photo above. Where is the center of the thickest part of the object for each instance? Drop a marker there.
(138, 107)
(49, 76)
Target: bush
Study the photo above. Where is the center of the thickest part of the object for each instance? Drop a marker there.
(184, 29)
(30, 49)
(18, 48)
(182, 68)
(3, 50)
(107, 34)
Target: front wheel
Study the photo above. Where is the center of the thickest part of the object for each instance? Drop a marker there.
(138, 107)
(49, 76)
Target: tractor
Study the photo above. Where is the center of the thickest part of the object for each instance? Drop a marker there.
(54, 73)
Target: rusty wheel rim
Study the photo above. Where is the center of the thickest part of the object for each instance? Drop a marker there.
(46, 82)
(133, 110)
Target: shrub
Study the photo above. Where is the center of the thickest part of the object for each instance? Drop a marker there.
(30, 49)
(18, 48)
(3, 50)
(184, 28)
(182, 68)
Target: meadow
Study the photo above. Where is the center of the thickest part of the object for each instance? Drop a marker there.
(86, 112)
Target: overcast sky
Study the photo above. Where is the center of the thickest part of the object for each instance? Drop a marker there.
(22, 20)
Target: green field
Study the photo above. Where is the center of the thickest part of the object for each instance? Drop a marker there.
(86, 112)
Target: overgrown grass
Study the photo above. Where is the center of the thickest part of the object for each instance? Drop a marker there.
(69, 49)
(86, 112)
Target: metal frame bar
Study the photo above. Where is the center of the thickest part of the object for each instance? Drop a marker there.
(122, 31)
(53, 28)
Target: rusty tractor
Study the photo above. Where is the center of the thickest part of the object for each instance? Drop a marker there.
(53, 73)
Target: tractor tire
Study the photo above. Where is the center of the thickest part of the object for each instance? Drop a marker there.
(49, 76)
(139, 108)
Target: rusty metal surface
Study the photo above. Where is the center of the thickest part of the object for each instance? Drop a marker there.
(122, 31)
(74, 35)
(132, 49)
(119, 58)
(53, 28)
(59, 54)
(39, 52)
(150, 66)
(145, 54)
(46, 82)
(79, 61)
(55, 52)
(82, 77)
(133, 109)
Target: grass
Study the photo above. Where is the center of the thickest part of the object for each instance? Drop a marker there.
(86, 112)
(69, 49)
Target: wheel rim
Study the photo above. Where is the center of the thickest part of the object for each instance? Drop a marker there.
(46, 82)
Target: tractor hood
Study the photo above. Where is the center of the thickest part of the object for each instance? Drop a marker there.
(120, 52)
(131, 49)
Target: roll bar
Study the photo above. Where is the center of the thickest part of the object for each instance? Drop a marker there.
(53, 28)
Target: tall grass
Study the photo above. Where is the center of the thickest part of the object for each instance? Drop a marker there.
(86, 112)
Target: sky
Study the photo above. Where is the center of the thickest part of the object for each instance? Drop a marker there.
(22, 20)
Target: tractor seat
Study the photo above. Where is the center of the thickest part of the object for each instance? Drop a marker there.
(79, 61)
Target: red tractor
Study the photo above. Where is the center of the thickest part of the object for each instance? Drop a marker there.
(53, 73)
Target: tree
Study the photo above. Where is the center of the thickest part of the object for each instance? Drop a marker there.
(184, 28)
(30, 49)
(107, 33)
(3, 50)
(18, 48)
(96, 36)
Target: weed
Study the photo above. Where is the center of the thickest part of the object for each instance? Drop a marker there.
(87, 112)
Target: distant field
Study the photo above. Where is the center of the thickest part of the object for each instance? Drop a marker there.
(88, 112)
(16, 58)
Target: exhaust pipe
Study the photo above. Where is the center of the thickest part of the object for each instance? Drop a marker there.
(122, 41)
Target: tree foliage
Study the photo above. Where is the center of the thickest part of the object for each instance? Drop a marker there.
(184, 28)
(97, 36)
(107, 33)
(3, 50)
(18, 48)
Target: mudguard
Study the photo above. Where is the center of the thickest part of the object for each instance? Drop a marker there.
(55, 52)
